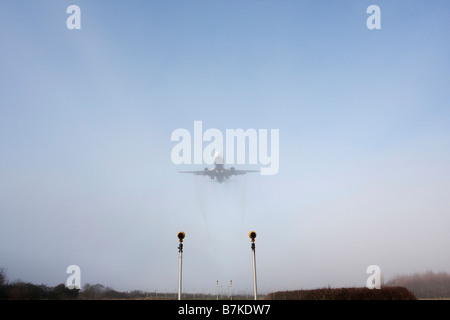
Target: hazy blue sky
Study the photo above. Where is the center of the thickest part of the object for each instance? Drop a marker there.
(86, 117)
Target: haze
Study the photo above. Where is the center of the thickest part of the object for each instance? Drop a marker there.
(86, 117)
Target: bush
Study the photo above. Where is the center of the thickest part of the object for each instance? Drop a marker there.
(385, 293)
(64, 293)
(27, 291)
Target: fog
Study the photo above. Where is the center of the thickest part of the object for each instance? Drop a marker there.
(86, 119)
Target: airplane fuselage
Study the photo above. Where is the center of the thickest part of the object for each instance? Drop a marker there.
(219, 172)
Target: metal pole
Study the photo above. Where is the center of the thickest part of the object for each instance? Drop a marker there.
(180, 250)
(181, 236)
(252, 236)
(254, 272)
(231, 289)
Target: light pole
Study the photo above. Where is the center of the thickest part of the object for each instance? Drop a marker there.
(252, 236)
(231, 289)
(181, 236)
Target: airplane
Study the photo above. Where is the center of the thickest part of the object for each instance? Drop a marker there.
(219, 172)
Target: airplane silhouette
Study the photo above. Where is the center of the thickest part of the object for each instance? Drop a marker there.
(219, 173)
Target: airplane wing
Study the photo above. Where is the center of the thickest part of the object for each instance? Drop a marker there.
(234, 172)
(206, 172)
(197, 173)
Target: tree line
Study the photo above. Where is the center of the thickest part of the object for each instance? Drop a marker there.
(428, 285)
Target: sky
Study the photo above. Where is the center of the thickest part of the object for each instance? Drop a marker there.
(86, 118)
